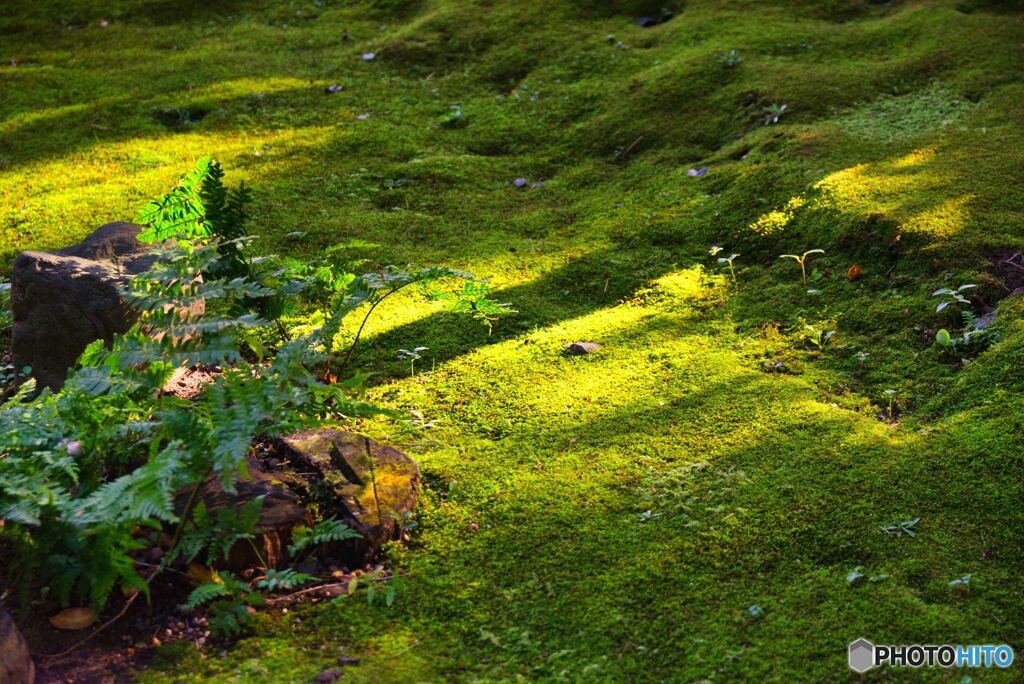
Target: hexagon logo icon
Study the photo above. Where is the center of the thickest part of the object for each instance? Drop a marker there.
(861, 655)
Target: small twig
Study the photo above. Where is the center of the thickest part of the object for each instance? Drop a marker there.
(164, 567)
(415, 642)
(185, 514)
(328, 587)
(259, 556)
(631, 146)
(319, 587)
(348, 355)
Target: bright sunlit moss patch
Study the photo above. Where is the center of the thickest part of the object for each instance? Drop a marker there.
(775, 221)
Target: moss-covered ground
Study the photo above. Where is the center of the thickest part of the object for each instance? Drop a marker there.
(687, 503)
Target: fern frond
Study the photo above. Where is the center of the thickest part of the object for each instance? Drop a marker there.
(203, 593)
(324, 532)
(276, 580)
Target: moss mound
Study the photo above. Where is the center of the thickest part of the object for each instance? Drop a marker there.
(686, 503)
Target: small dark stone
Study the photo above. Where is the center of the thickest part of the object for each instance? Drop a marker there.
(983, 322)
(646, 22)
(328, 676)
(345, 660)
(307, 567)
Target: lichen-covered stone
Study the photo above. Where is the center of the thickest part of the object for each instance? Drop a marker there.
(580, 348)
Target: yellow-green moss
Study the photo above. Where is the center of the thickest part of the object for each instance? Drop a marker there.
(536, 557)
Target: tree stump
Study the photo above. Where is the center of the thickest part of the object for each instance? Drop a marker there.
(373, 485)
(282, 511)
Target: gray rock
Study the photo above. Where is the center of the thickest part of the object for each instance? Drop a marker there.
(62, 301)
(580, 348)
(983, 322)
(16, 666)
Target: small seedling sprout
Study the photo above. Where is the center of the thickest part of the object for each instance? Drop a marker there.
(955, 295)
(732, 270)
(901, 527)
(412, 355)
(802, 260)
(773, 112)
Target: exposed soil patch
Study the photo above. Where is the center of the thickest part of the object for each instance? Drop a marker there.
(125, 647)
(189, 383)
(1009, 269)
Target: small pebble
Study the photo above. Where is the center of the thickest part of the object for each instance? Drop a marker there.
(580, 348)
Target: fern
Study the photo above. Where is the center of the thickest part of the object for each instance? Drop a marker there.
(201, 207)
(228, 618)
(204, 593)
(181, 212)
(283, 579)
(324, 532)
(82, 471)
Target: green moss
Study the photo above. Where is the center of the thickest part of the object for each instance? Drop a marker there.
(609, 517)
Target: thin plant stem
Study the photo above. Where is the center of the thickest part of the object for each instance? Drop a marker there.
(185, 514)
(351, 349)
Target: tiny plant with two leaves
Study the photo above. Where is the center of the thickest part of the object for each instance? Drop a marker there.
(952, 296)
(802, 260)
(411, 355)
(715, 249)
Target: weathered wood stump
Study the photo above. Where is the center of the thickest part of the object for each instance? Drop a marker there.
(282, 511)
(374, 485)
(366, 485)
